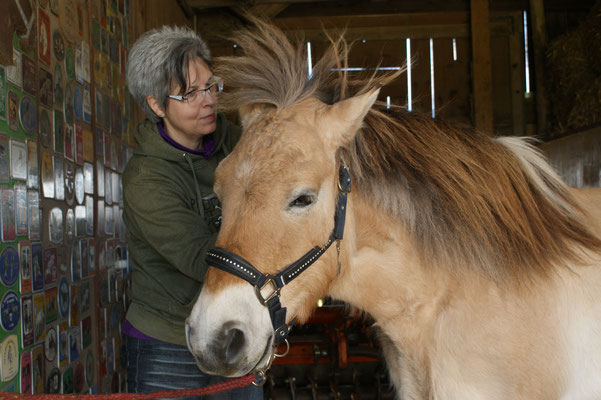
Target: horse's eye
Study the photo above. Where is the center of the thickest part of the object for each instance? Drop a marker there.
(301, 201)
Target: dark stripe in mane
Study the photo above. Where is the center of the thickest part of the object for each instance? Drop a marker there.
(467, 199)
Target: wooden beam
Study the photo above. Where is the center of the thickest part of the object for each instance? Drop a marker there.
(539, 42)
(482, 68)
(249, 3)
(516, 53)
(266, 10)
(186, 8)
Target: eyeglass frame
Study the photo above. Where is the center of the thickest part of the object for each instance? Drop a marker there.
(216, 81)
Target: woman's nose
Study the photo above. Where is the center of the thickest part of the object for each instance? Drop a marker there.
(210, 99)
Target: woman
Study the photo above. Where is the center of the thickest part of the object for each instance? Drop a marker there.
(170, 209)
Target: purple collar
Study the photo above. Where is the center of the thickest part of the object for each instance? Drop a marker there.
(208, 143)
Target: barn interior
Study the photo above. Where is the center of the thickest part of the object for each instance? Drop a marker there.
(505, 67)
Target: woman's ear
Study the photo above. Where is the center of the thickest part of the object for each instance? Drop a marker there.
(155, 106)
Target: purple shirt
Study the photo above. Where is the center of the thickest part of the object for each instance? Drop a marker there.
(129, 330)
(208, 143)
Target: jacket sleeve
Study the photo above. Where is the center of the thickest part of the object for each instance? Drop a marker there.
(157, 214)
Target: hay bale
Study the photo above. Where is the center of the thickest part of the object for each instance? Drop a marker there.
(573, 76)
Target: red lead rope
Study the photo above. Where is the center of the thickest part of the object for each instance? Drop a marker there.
(204, 391)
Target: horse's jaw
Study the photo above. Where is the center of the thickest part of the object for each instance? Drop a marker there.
(230, 332)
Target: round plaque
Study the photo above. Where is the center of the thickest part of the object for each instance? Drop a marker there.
(70, 63)
(68, 103)
(68, 381)
(58, 43)
(10, 357)
(9, 266)
(55, 225)
(71, 20)
(44, 131)
(69, 183)
(78, 378)
(79, 185)
(89, 369)
(53, 382)
(78, 102)
(63, 297)
(10, 310)
(58, 84)
(27, 114)
(50, 344)
(69, 225)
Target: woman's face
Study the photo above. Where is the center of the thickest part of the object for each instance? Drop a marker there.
(188, 121)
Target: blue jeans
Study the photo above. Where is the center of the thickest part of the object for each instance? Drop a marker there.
(155, 366)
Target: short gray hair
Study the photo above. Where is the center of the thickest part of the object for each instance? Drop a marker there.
(160, 58)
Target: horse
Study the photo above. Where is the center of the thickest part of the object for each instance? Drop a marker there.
(480, 267)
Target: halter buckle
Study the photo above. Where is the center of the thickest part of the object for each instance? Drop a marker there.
(269, 283)
(344, 179)
(261, 374)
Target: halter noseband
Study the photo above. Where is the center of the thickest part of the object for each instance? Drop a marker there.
(238, 266)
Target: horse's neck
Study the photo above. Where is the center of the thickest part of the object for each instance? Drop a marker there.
(383, 274)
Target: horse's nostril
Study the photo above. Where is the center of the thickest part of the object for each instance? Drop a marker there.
(234, 344)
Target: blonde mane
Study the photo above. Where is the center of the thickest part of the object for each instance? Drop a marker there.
(468, 200)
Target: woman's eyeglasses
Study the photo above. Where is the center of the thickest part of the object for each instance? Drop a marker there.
(195, 96)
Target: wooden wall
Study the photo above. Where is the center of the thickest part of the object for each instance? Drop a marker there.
(577, 157)
(380, 41)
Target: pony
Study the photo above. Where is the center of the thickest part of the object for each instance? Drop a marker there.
(479, 266)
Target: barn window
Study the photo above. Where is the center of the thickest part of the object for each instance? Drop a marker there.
(408, 74)
(454, 49)
(309, 61)
(526, 62)
(432, 78)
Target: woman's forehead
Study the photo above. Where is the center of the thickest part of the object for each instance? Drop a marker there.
(198, 72)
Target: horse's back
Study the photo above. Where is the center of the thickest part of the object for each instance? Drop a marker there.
(581, 312)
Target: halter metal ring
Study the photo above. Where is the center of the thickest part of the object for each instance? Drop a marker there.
(285, 353)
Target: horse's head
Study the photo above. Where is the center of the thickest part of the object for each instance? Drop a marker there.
(279, 191)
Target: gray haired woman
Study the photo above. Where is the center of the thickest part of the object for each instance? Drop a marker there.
(170, 209)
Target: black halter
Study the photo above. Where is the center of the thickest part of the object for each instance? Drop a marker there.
(236, 265)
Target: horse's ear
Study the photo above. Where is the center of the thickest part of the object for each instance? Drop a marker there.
(249, 112)
(348, 116)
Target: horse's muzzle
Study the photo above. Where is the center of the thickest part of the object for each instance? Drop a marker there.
(224, 354)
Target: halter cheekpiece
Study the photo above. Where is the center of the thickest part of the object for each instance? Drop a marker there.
(238, 266)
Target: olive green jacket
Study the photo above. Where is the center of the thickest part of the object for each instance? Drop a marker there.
(172, 217)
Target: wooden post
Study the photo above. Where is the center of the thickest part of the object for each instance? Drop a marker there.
(482, 68)
(539, 43)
